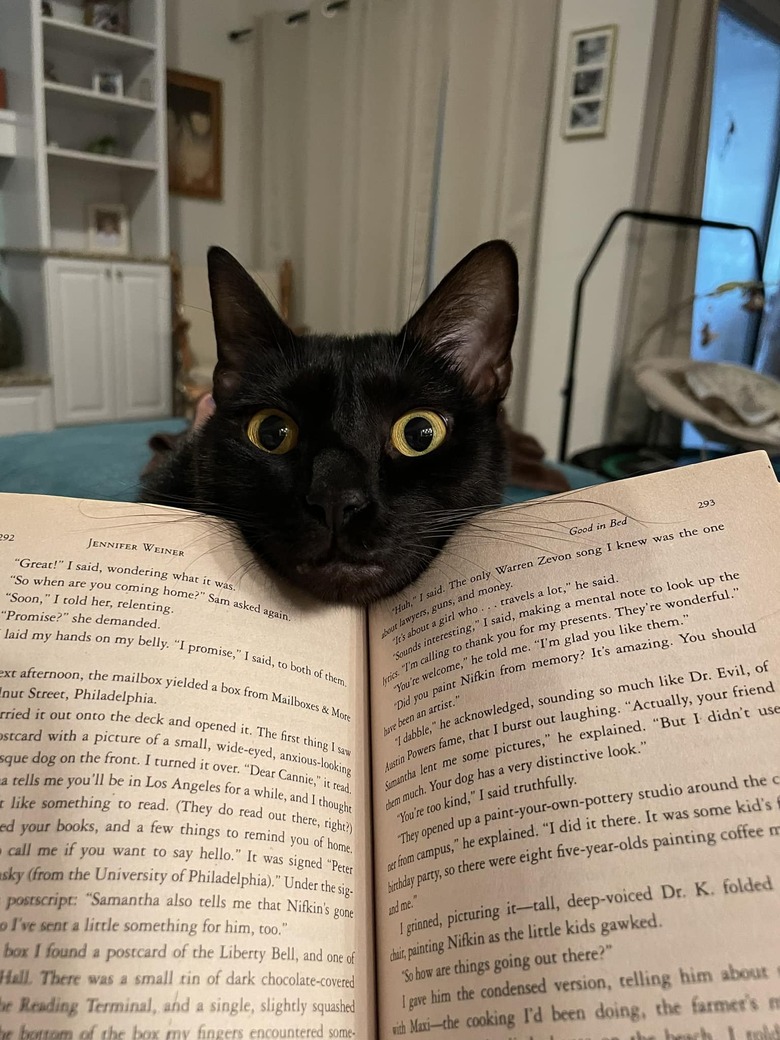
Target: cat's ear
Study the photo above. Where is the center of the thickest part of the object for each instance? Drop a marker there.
(470, 319)
(245, 322)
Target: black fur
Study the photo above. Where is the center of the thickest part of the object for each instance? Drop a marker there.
(345, 393)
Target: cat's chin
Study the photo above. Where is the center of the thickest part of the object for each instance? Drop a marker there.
(346, 581)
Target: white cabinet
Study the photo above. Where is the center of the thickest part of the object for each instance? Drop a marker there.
(8, 135)
(81, 340)
(109, 337)
(98, 324)
(25, 409)
(142, 340)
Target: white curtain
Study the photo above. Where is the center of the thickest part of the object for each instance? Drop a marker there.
(500, 64)
(394, 137)
(661, 265)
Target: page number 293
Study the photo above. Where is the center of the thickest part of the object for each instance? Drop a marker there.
(706, 503)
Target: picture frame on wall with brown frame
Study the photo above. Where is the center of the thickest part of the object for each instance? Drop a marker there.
(194, 108)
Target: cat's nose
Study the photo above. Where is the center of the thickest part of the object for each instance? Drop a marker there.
(337, 490)
(334, 506)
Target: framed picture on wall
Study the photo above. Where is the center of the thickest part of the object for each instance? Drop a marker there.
(107, 228)
(194, 106)
(588, 79)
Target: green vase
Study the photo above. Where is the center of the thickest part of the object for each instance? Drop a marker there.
(11, 349)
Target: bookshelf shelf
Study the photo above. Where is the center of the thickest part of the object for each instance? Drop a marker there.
(118, 161)
(81, 39)
(91, 100)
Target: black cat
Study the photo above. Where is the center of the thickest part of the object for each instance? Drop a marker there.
(346, 462)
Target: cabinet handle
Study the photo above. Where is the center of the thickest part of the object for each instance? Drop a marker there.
(120, 273)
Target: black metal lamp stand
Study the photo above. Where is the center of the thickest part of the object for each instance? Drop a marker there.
(648, 216)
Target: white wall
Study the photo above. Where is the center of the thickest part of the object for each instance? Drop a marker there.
(197, 43)
(261, 7)
(585, 182)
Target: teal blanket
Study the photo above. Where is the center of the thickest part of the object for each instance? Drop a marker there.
(104, 462)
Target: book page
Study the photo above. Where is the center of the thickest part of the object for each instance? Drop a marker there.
(183, 777)
(576, 727)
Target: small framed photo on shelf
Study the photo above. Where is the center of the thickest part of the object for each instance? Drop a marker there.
(108, 15)
(588, 80)
(108, 81)
(107, 228)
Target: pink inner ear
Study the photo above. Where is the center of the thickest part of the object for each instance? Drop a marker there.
(470, 319)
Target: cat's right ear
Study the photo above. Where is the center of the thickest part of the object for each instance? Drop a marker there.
(470, 318)
(245, 322)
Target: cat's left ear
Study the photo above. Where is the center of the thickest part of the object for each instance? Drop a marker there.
(245, 322)
(470, 319)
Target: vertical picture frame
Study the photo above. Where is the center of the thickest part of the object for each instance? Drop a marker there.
(194, 108)
(588, 82)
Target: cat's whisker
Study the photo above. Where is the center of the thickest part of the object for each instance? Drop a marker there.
(219, 545)
(525, 544)
(215, 510)
(452, 525)
(437, 563)
(533, 529)
(237, 575)
(482, 536)
(498, 514)
(152, 522)
(193, 307)
(459, 556)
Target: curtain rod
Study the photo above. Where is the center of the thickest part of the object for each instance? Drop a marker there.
(329, 8)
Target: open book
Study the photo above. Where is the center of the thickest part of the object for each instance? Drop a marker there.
(536, 795)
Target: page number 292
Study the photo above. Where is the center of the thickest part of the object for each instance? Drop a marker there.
(706, 503)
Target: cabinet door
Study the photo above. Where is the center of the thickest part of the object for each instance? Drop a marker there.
(25, 409)
(142, 338)
(81, 340)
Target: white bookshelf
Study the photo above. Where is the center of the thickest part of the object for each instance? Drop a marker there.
(117, 162)
(77, 38)
(66, 119)
(89, 100)
(8, 135)
(70, 146)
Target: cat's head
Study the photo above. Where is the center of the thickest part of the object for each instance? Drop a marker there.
(347, 462)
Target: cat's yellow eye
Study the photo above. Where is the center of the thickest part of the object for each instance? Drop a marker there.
(418, 433)
(273, 431)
